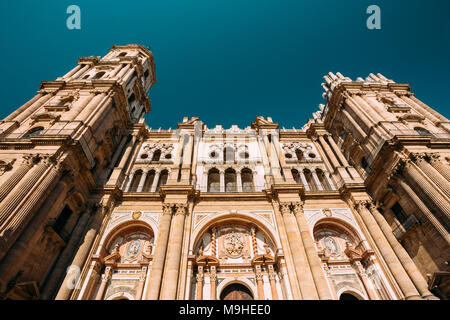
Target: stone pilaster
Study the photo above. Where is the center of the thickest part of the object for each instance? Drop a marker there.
(400, 275)
(401, 253)
(313, 258)
(172, 268)
(302, 268)
(80, 257)
(154, 284)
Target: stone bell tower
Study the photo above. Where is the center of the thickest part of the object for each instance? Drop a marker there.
(400, 146)
(57, 151)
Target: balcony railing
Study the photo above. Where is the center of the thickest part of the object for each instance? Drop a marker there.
(232, 189)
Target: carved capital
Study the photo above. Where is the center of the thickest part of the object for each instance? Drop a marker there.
(199, 277)
(272, 276)
(259, 276)
(180, 208)
(167, 208)
(297, 207)
(285, 208)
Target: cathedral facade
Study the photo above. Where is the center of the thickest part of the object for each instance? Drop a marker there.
(96, 205)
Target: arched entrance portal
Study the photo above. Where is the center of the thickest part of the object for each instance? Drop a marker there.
(347, 296)
(236, 291)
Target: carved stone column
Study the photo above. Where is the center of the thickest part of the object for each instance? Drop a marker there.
(313, 258)
(273, 284)
(67, 253)
(23, 214)
(105, 279)
(199, 284)
(27, 163)
(213, 282)
(140, 288)
(329, 153)
(77, 263)
(142, 180)
(441, 167)
(154, 284)
(239, 181)
(172, 269)
(401, 253)
(400, 275)
(416, 177)
(23, 188)
(302, 269)
(432, 173)
(424, 210)
(222, 181)
(365, 280)
(259, 284)
(155, 181)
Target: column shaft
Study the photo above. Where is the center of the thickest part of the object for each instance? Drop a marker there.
(14, 179)
(400, 275)
(302, 269)
(429, 190)
(424, 210)
(154, 285)
(169, 289)
(70, 280)
(313, 259)
(401, 253)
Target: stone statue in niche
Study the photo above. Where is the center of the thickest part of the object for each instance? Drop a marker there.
(133, 249)
(330, 245)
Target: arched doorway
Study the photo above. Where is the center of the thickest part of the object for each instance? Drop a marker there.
(347, 296)
(236, 291)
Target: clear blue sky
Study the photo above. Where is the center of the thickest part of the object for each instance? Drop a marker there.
(229, 61)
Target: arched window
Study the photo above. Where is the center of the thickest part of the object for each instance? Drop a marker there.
(33, 131)
(296, 176)
(323, 180)
(98, 75)
(61, 221)
(131, 98)
(213, 180)
(122, 54)
(156, 155)
(247, 180)
(162, 178)
(310, 180)
(422, 131)
(149, 181)
(299, 154)
(230, 180)
(228, 155)
(135, 182)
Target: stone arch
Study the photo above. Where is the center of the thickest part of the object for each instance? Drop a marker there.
(244, 218)
(338, 224)
(120, 296)
(239, 280)
(125, 228)
(351, 291)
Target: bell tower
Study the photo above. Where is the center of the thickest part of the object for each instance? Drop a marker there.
(58, 149)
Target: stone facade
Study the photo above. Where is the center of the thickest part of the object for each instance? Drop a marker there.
(94, 204)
